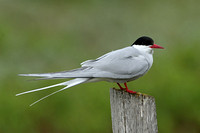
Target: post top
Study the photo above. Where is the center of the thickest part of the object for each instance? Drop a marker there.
(138, 94)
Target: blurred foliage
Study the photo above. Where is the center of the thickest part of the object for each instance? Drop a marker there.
(49, 36)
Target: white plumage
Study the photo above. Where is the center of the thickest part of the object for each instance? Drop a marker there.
(118, 66)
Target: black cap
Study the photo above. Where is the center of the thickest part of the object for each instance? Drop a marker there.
(144, 40)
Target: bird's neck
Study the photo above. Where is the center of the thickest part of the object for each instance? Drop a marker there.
(147, 52)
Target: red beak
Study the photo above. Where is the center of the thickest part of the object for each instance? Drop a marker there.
(156, 46)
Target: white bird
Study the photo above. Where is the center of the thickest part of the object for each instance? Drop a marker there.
(119, 66)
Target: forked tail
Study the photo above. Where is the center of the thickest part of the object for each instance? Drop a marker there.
(67, 84)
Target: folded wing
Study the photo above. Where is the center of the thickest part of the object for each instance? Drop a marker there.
(120, 64)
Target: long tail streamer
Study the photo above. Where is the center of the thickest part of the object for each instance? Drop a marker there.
(68, 84)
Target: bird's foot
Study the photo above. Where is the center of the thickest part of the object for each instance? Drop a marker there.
(130, 91)
(126, 89)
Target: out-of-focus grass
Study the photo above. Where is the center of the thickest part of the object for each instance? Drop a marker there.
(50, 36)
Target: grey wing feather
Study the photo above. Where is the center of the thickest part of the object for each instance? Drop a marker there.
(120, 64)
(124, 63)
(79, 72)
(88, 62)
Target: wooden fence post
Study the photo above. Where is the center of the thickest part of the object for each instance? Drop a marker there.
(132, 113)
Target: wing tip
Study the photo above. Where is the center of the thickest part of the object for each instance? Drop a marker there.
(33, 75)
(22, 74)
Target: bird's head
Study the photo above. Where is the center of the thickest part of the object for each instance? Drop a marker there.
(147, 42)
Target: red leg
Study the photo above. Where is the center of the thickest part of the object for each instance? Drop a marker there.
(130, 91)
(121, 87)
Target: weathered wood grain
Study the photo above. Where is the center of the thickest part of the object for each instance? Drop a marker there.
(132, 113)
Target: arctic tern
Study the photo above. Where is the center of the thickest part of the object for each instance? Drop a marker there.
(119, 66)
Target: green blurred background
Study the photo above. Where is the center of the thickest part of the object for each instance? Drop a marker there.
(49, 36)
